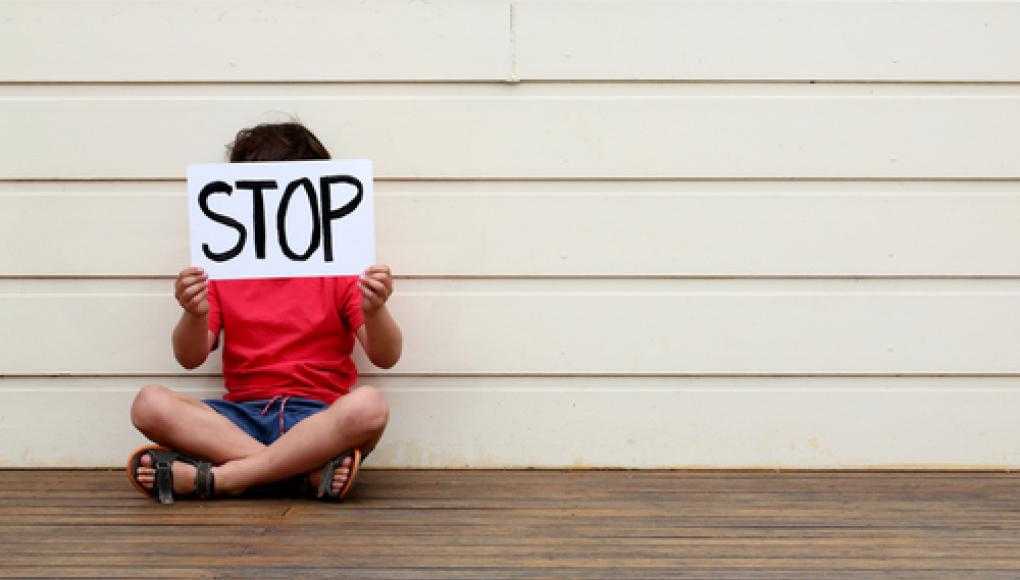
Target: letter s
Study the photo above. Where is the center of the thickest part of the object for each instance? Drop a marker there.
(203, 202)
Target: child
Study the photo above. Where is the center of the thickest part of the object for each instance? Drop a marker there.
(291, 412)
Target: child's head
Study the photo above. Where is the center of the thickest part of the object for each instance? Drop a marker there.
(276, 142)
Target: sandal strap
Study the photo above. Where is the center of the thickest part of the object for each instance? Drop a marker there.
(326, 476)
(205, 480)
(328, 471)
(163, 484)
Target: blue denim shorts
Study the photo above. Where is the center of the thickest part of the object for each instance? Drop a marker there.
(267, 419)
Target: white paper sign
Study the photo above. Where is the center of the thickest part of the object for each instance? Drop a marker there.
(286, 219)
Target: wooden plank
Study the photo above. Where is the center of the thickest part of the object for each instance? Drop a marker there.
(544, 560)
(585, 513)
(767, 40)
(648, 327)
(927, 422)
(582, 136)
(233, 40)
(590, 524)
(564, 229)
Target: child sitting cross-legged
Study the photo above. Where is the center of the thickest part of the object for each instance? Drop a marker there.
(293, 415)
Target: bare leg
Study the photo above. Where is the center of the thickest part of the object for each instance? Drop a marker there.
(190, 426)
(352, 421)
(186, 424)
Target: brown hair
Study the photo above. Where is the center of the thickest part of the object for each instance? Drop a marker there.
(290, 141)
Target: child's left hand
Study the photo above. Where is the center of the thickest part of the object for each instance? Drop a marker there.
(376, 288)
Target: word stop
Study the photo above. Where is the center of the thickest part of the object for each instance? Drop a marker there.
(320, 204)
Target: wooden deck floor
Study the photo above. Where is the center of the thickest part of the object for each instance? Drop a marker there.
(497, 524)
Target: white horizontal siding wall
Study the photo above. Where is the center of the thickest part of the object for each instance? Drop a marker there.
(627, 233)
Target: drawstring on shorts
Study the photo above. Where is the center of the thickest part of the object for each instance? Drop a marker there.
(279, 413)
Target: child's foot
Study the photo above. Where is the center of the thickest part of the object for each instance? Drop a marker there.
(184, 475)
(340, 476)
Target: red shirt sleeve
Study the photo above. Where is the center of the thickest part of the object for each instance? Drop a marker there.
(349, 301)
(215, 314)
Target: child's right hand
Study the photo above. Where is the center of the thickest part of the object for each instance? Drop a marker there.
(190, 291)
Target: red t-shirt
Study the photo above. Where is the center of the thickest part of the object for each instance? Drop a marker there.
(287, 336)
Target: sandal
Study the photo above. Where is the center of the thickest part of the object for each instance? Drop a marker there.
(325, 491)
(163, 485)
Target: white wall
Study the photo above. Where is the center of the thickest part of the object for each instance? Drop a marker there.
(628, 233)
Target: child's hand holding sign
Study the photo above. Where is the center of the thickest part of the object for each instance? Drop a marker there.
(190, 291)
(376, 288)
(380, 335)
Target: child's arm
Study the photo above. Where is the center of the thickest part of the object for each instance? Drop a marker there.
(191, 337)
(380, 335)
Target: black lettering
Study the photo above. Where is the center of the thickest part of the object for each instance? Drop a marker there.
(258, 213)
(328, 214)
(281, 219)
(203, 202)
